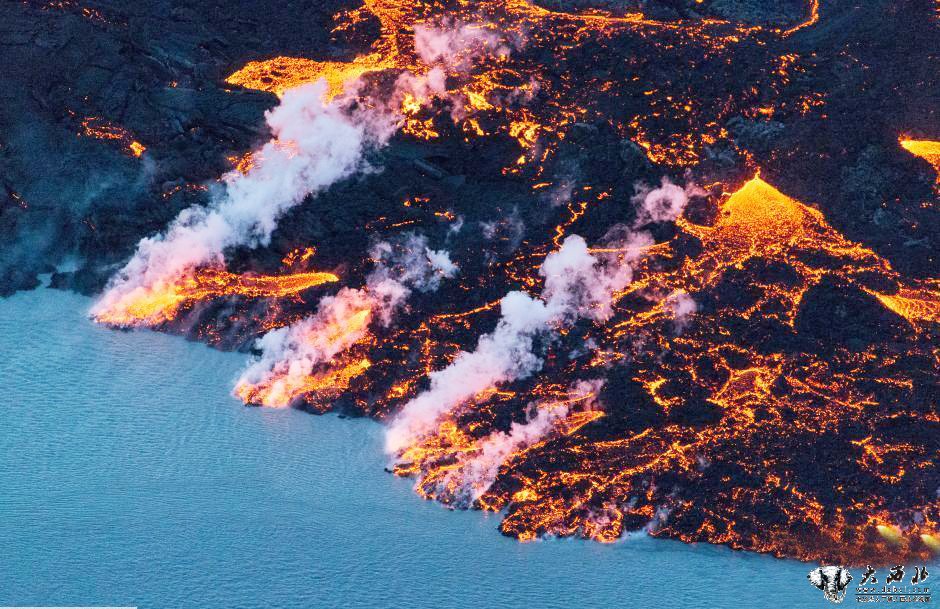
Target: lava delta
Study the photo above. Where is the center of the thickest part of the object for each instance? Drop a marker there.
(599, 266)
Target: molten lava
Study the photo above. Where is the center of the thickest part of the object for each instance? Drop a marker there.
(320, 387)
(149, 307)
(570, 97)
(101, 129)
(925, 149)
(282, 73)
(736, 421)
(287, 384)
(764, 382)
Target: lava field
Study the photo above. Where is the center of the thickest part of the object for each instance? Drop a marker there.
(599, 265)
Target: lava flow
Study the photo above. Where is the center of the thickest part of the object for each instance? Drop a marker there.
(725, 431)
(726, 357)
(925, 149)
(161, 303)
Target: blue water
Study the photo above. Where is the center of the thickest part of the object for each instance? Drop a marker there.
(129, 476)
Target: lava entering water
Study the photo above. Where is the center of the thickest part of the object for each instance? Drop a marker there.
(160, 303)
(740, 372)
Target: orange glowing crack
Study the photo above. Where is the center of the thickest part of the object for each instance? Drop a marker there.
(813, 19)
(101, 129)
(147, 307)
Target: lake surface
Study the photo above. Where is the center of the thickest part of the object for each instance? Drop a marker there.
(130, 476)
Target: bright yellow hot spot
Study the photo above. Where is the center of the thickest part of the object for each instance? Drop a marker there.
(136, 148)
(913, 305)
(151, 306)
(890, 533)
(925, 149)
(931, 541)
(282, 73)
(758, 220)
(345, 331)
(762, 212)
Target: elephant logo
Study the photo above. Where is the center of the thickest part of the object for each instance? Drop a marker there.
(833, 581)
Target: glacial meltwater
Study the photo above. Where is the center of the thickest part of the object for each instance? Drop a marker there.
(129, 476)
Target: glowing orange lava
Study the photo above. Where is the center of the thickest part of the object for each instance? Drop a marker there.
(925, 149)
(501, 78)
(287, 383)
(781, 412)
(767, 406)
(101, 129)
(282, 73)
(281, 393)
(148, 307)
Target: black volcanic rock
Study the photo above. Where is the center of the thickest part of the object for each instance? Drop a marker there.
(834, 315)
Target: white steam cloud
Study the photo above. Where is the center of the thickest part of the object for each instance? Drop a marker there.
(578, 284)
(455, 46)
(681, 306)
(289, 355)
(662, 204)
(315, 144)
(475, 472)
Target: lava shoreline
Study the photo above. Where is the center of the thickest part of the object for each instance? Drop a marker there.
(793, 412)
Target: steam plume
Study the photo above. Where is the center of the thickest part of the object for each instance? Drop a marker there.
(664, 203)
(316, 142)
(681, 306)
(455, 45)
(577, 285)
(290, 355)
(474, 475)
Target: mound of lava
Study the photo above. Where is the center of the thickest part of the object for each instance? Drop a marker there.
(768, 379)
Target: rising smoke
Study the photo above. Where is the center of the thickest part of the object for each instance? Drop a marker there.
(578, 284)
(475, 471)
(316, 142)
(662, 204)
(289, 355)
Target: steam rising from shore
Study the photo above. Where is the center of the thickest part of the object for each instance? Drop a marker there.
(291, 354)
(316, 142)
(577, 285)
(475, 472)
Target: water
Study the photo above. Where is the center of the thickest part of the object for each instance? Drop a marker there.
(129, 476)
